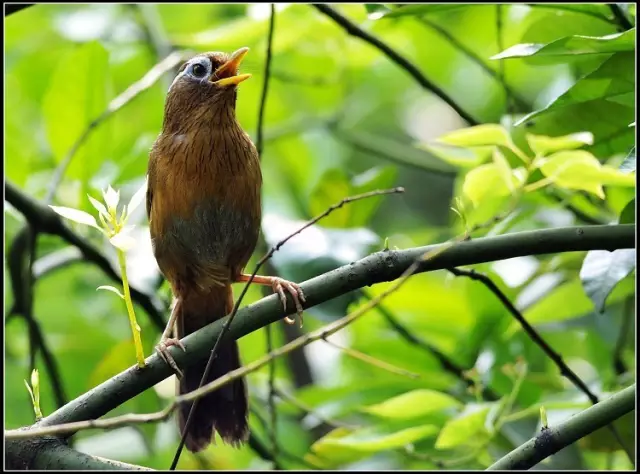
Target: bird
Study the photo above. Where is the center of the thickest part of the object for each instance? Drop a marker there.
(204, 208)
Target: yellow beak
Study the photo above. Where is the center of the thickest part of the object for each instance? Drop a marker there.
(228, 72)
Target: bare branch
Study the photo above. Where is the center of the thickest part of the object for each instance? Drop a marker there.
(354, 30)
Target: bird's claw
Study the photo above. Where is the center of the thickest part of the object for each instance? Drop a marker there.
(279, 285)
(162, 351)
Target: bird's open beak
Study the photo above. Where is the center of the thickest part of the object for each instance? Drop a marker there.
(227, 74)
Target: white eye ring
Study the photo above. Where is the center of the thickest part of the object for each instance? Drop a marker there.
(200, 69)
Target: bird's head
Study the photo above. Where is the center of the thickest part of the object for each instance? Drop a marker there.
(205, 88)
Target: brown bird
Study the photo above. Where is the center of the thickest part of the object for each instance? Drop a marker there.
(204, 209)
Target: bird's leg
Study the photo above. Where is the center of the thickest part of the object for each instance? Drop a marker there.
(166, 341)
(279, 285)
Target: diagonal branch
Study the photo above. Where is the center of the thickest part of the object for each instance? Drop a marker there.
(557, 359)
(553, 439)
(446, 363)
(354, 30)
(379, 267)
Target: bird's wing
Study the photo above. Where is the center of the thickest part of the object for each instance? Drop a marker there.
(151, 182)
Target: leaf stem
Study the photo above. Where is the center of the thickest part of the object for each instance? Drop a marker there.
(135, 328)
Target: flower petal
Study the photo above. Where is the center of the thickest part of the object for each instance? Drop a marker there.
(123, 239)
(111, 198)
(99, 207)
(76, 215)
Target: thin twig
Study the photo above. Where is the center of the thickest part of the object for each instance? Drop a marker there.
(509, 95)
(128, 419)
(354, 30)
(373, 361)
(627, 316)
(384, 266)
(446, 363)
(262, 261)
(300, 405)
(265, 83)
(620, 17)
(565, 370)
(522, 102)
(147, 81)
(21, 265)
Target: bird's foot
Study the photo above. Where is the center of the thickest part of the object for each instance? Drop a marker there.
(279, 285)
(162, 350)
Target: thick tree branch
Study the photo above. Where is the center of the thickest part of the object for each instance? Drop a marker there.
(53, 454)
(354, 30)
(553, 439)
(379, 267)
(43, 219)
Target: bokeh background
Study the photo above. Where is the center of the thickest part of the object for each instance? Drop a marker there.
(340, 119)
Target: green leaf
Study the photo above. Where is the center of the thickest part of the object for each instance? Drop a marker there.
(488, 181)
(76, 215)
(424, 9)
(412, 404)
(113, 289)
(629, 163)
(628, 214)
(543, 145)
(579, 169)
(480, 135)
(602, 270)
(343, 445)
(76, 96)
(466, 429)
(573, 45)
(613, 81)
(459, 156)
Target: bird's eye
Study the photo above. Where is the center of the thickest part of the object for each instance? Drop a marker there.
(199, 70)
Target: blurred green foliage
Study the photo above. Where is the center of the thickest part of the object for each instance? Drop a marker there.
(342, 119)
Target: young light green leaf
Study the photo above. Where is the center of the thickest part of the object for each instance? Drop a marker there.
(76, 215)
(543, 145)
(602, 270)
(466, 429)
(123, 239)
(343, 445)
(113, 289)
(111, 198)
(487, 181)
(99, 207)
(480, 135)
(35, 393)
(504, 168)
(573, 45)
(459, 156)
(412, 404)
(137, 198)
(579, 169)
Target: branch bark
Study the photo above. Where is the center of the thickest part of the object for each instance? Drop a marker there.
(379, 267)
(552, 440)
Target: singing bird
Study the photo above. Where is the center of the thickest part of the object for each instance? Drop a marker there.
(204, 209)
